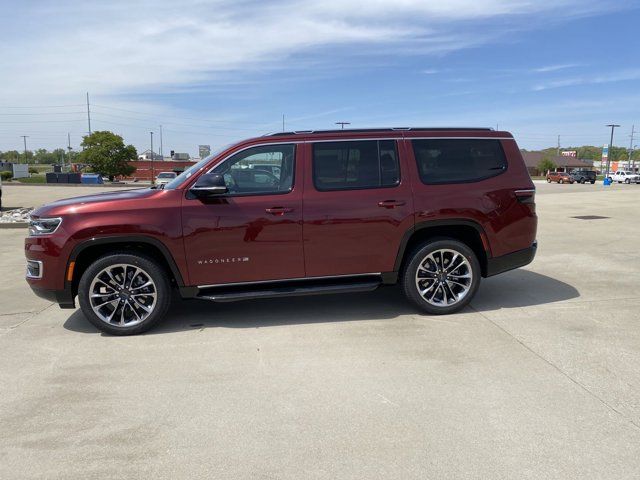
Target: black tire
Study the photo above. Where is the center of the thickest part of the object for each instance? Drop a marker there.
(548, 180)
(593, 182)
(627, 181)
(419, 255)
(582, 181)
(560, 181)
(150, 268)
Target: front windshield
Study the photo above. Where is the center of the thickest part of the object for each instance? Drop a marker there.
(184, 176)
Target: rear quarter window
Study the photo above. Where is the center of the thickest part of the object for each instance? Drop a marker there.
(458, 161)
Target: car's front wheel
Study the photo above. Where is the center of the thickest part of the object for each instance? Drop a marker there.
(124, 293)
(627, 181)
(442, 276)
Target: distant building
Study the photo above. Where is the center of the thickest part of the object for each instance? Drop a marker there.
(147, 155)
(180, 157)
(563, 163)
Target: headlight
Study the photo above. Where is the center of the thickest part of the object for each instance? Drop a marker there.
(43, 226)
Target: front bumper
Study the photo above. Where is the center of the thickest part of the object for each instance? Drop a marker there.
(511, 261)
(64, 298)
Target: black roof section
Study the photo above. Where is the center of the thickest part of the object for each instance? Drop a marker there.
(373, 130)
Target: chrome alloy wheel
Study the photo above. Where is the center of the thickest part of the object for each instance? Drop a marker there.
(122, 295)
(444, 277)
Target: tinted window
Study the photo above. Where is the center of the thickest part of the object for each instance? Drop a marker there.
(267, 169)
(451, 161)
(356, 164)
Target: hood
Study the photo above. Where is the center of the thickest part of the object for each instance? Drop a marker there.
(75, 204)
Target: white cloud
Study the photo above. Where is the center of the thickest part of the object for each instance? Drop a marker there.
(555, 68)
(120, 46)
(121, 51)
(619, 76)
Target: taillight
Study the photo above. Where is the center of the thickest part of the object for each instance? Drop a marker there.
(527, 197)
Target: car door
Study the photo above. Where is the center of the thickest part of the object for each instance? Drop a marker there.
(254, 231)
(357, 206)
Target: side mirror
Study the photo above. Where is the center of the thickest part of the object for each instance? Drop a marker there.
(209, 184)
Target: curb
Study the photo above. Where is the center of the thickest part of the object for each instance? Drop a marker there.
(8, 225)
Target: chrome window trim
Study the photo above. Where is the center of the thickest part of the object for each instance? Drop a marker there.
(298, 279)
(296, 142)
(349, 139)
(40, 269)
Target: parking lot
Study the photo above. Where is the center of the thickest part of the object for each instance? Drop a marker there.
(538, 378)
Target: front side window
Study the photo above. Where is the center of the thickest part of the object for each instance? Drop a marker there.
(259, 170)
(355, 165)
(458, 160)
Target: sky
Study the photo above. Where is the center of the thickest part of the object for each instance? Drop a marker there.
(214, 72)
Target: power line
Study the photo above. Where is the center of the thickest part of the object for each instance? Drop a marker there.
(43, 106)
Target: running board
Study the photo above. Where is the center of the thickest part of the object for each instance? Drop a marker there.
(286, 289)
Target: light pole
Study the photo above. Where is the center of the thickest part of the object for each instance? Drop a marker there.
(343, 124)
(152, 171)
(24, 137)
(613, 127)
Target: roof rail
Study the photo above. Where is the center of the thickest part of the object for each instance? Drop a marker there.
(373, 130)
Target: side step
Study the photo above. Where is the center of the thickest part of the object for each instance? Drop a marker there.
(288, 289)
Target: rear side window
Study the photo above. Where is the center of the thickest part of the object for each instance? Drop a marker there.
(355, 165)
(458, 161)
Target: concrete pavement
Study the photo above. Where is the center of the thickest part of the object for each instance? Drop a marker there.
(539, 378)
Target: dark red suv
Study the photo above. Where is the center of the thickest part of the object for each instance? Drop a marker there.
(292, 214)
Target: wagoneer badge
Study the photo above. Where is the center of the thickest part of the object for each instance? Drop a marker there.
(223, 260)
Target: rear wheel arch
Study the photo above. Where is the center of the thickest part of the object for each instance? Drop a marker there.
(468, 232)
(87, 252)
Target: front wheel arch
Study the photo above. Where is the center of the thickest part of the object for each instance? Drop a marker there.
(87, 252)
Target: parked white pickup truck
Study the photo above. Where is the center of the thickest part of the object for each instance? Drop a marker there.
(622, 176)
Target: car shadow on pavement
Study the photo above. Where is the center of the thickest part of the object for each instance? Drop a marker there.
(519, 288)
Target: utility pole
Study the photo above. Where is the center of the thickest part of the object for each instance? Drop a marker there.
(24, 137)
(633, 131)
(152, 171)
(613, 127)
(88, 114)
(69, 149)
(558, 151)
(283, 122)
(161, 153)
(342, 124)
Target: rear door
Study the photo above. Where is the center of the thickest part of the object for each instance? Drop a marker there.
(357, 206)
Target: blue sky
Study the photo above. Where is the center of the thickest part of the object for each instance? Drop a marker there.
(212, 72)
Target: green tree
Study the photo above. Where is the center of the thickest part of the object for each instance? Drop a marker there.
(545, 165)
(107, 154)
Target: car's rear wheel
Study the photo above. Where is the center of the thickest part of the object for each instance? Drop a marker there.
(593, 182)
(124, 293)
(548, 180)
(560, 181)
(627, 181)
(441, 277)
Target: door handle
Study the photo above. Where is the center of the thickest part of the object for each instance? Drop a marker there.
(391, 203)
(278, 210)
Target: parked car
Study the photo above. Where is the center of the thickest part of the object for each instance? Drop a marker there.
(165, 177)
(432, 210)
(622, 176)
(0, 194)
(560, 177)
(583, 176)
